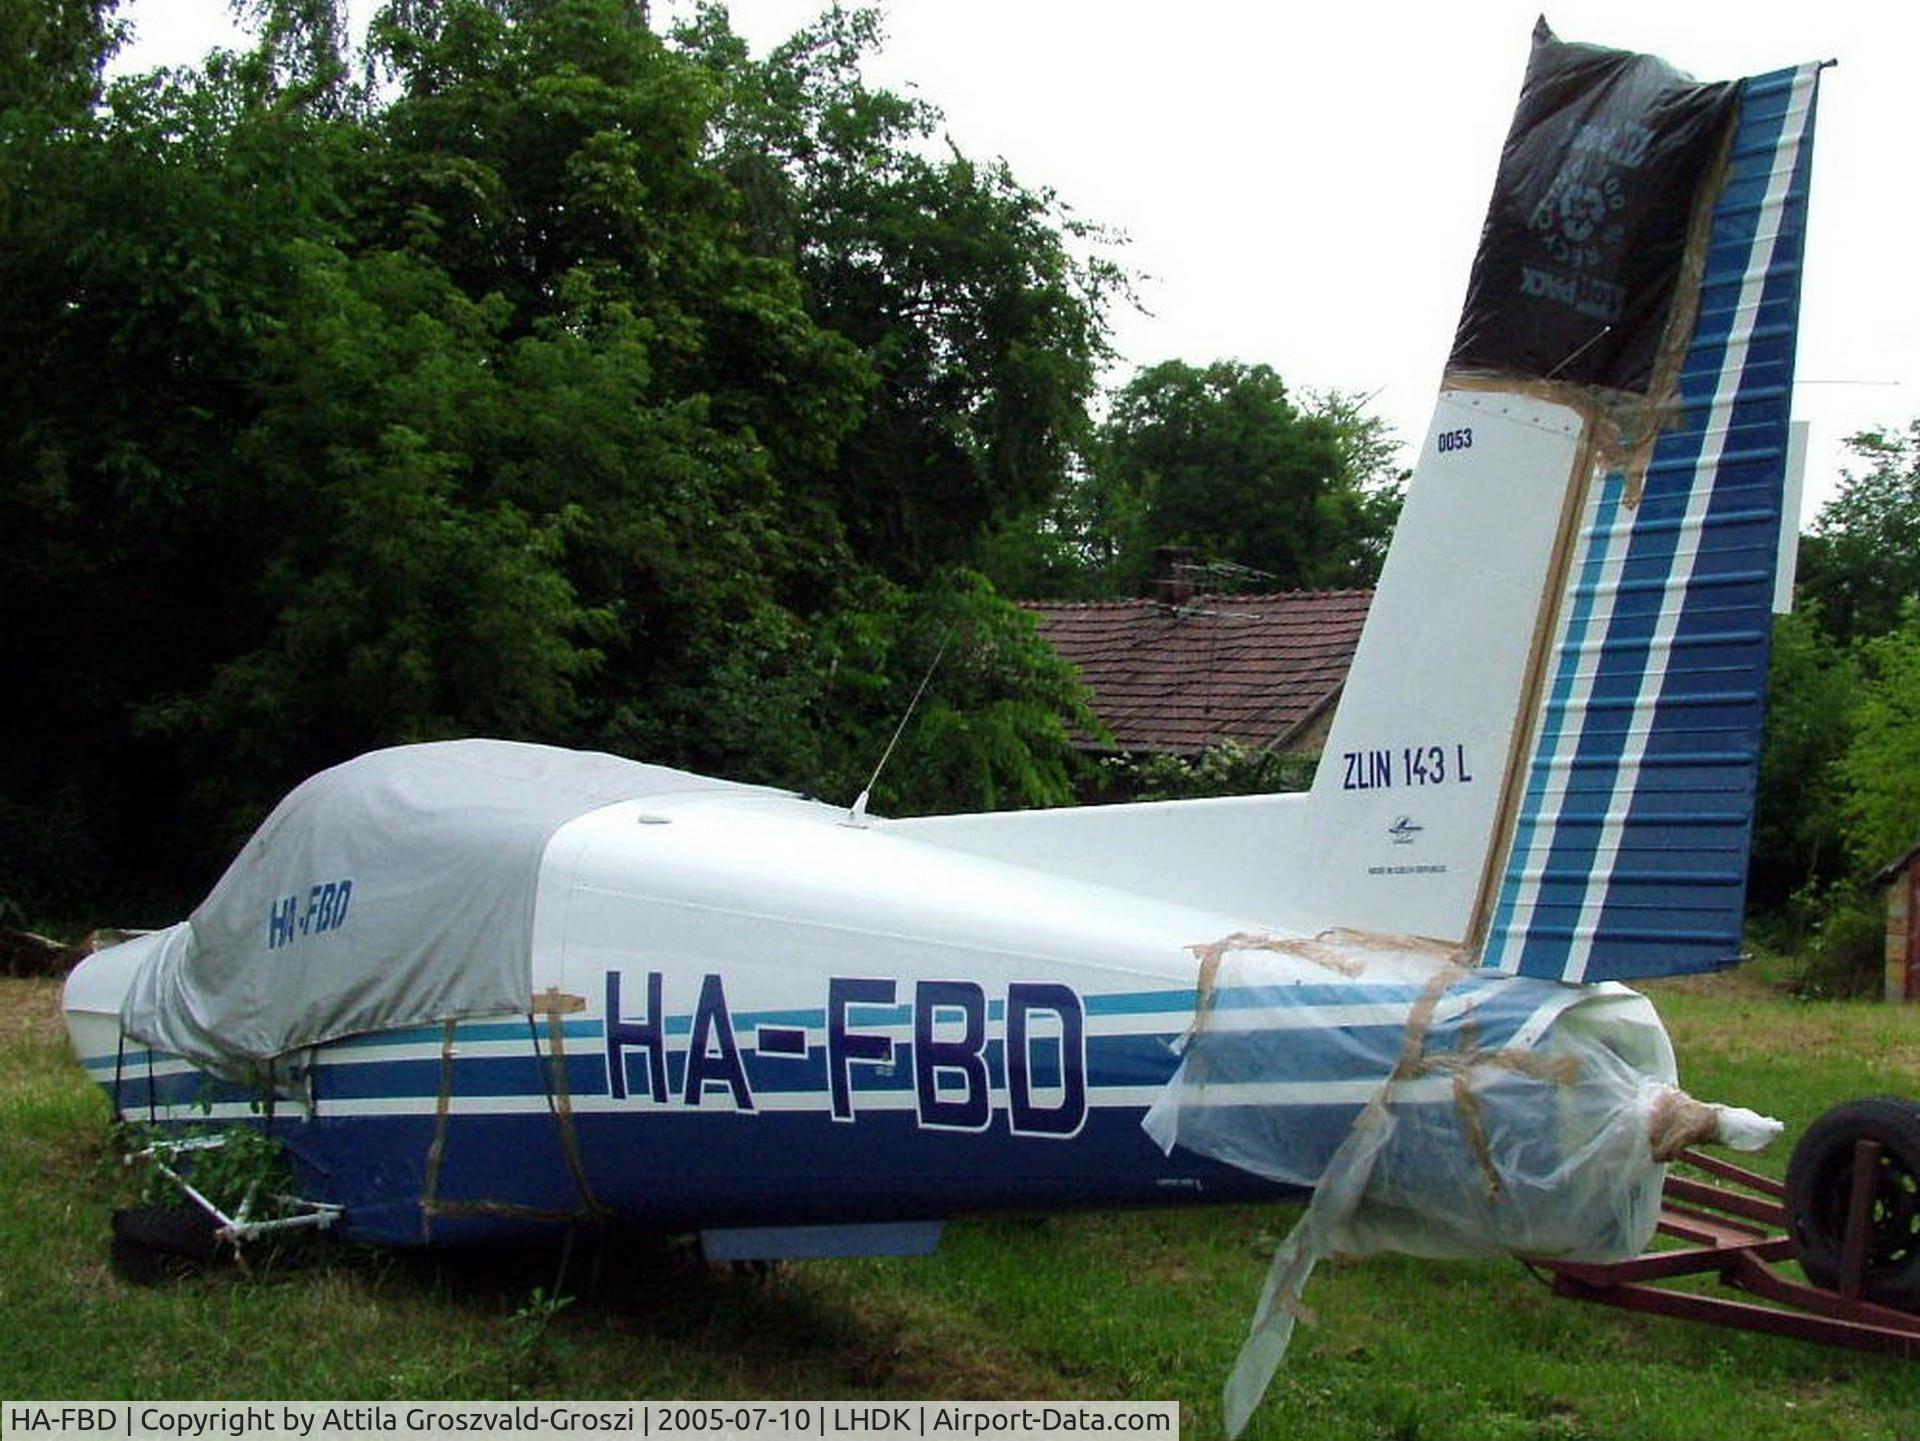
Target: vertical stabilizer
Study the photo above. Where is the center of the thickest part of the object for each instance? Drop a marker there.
(1407, 797)
(1627, 851)
(1549, 740)
(1547, 746)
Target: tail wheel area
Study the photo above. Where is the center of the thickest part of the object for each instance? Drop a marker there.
(1820, 1185)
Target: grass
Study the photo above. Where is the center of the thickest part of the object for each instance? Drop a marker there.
(1149, 1305)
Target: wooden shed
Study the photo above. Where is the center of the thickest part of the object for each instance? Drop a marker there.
(1902, 880)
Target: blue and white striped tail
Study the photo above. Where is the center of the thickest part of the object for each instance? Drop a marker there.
(1629, 844)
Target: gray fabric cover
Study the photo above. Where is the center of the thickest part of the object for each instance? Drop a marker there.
(442, 844)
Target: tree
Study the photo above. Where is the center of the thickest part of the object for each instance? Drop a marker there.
(480, 403)
(1221, 459)
(1832, 793)
(1861, 562)
(1370, 462)
(1227, 768)
(1090, 541)
(143, 255)
(993, 728)
(1799, 842)
(51, 56)
(300, 55)
(973, 299)
(1881, 766)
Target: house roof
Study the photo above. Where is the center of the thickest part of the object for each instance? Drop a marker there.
(1887, 875)
(1256, 669)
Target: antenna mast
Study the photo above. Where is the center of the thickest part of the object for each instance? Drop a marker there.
(857, 815)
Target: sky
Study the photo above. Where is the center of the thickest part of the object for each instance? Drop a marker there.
(1303, 184)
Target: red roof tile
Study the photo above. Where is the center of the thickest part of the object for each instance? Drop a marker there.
(1251, 668)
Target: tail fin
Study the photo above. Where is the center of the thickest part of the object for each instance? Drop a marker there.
(1628, 852)
(1549, 741)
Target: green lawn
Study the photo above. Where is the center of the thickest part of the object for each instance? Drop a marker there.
(1142, 1305)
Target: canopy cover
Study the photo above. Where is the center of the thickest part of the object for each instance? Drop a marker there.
(394, 890)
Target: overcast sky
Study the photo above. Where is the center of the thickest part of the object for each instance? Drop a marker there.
(1303, 184)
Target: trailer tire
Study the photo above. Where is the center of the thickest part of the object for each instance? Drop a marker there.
(157, 1244)
(1819, 1182)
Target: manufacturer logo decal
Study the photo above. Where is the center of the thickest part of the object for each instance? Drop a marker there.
(1404, 830)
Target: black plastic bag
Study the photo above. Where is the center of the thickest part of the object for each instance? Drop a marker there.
(1580, 257)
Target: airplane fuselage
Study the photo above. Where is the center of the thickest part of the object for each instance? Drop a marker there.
(746, 1013)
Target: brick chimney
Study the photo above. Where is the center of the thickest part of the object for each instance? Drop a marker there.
(1172, 582)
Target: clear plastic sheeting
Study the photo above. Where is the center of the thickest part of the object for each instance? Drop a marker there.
(1434, 1111)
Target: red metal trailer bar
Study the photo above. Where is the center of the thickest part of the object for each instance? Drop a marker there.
(1740, 1235)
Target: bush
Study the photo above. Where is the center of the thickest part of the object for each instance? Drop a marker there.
(1846, 948)
(1227, 769)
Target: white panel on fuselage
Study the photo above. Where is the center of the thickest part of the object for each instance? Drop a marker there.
(778, 893)
(1227, 853)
